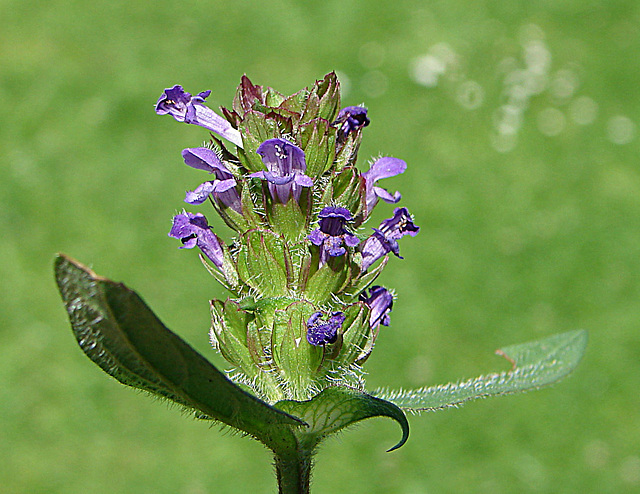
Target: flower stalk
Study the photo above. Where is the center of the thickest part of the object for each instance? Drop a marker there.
(293, 472)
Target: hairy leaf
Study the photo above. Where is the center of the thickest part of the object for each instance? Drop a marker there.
(338, 407)
(119, 332)
(535, 364)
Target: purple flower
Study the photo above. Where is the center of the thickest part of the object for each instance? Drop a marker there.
(223, 188)
(191, 109)
(382, 168)
(193, 230)
(332, 233)
(350, 119)
(385, 239)
(286, 166)
(380, 302)
(322, 332)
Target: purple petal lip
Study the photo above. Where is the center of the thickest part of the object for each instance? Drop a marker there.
(206, 159)
(385, 167)
(317, 237)
(333, 247)
(223, 192)
(274, 179)
(224, 185)
(351, 240)
(335, 212)
(322, 332)
(386, 196)
(382, 168)
(303, 180)
(200, 194)
(332, 221)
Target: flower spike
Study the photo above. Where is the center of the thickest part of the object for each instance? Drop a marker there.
(305, 313)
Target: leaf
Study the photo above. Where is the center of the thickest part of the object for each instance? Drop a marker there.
(338, 407)
(535, 364)
(119, 332)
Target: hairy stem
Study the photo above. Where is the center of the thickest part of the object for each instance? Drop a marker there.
(294, 472)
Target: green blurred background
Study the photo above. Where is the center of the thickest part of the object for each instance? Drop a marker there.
(519, 124)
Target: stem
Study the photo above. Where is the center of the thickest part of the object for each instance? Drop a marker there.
(294, 472)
